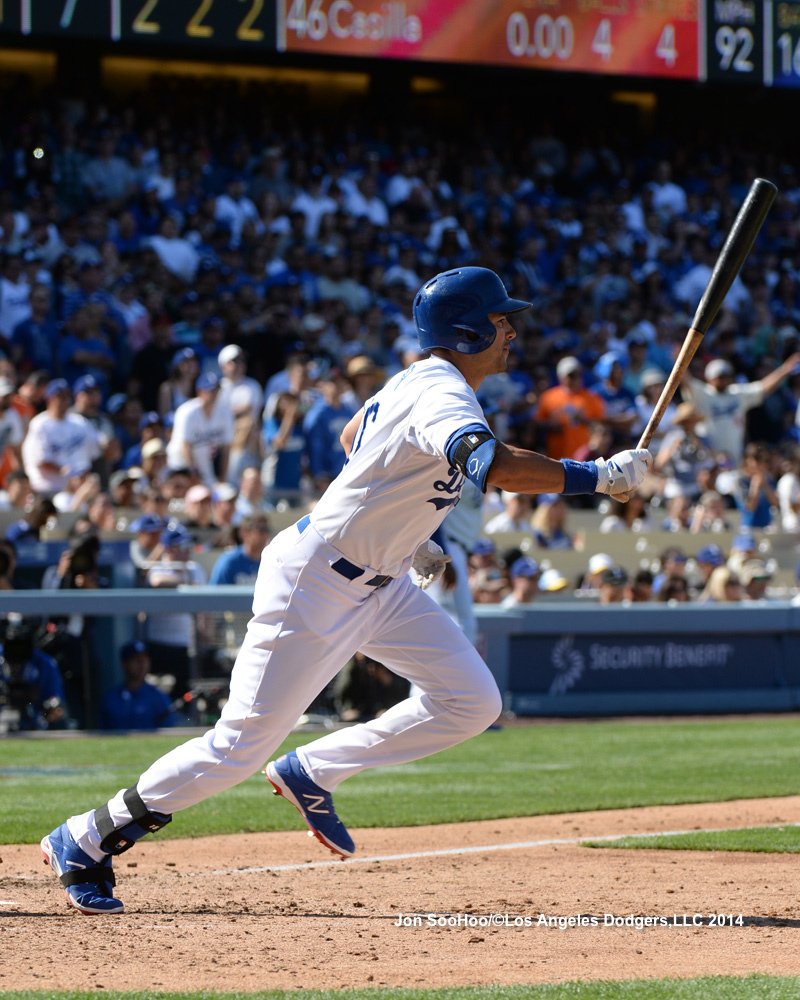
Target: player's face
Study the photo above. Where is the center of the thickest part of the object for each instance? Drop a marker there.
(497, 355)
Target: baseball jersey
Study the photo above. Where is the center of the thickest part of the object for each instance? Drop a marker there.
(71, 443)
(206, 435)
(788, 491)
(724, 412)
(398, 484)
(144, 708)
(464, 522)
(238, 397)
(504, 522)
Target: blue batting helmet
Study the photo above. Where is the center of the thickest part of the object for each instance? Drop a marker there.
(451, 310)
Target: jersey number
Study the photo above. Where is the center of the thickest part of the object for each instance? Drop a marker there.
(371, 411)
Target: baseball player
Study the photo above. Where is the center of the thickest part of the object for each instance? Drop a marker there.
(458, 536)
(337, 582)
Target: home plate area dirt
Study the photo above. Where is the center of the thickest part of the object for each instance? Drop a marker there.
(197, 918)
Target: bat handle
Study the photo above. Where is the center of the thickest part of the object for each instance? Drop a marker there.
(688, 351)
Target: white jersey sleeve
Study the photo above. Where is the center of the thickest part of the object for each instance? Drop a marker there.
(748, 394)
(440, 416)
(398, 484)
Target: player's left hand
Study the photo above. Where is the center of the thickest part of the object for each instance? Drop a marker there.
(623, 473)
(429, 563)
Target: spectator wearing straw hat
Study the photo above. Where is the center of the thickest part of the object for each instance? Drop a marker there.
(650, 385)
(684, 454)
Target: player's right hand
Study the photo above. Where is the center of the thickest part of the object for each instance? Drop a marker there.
(623, 473)
(429, 563)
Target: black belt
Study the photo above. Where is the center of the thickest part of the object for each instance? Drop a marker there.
(344, 567)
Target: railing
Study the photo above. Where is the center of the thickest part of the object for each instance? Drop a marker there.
(551, 658)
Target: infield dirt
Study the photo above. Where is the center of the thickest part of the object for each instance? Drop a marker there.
(196, 920)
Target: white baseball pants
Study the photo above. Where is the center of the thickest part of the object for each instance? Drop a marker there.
(458, 602)
(307, 622)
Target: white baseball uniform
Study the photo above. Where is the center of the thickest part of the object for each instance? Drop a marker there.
(70, 443)
(206, 435)
(316, 602)
(459, 533)
(724, 412)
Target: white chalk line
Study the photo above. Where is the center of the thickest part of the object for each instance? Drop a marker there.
(454, 851)
(451, 851)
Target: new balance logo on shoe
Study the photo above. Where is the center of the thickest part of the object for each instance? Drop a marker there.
(315, 803)
(289, 778)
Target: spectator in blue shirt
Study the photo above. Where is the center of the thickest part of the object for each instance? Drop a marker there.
(621, 413)
(29, 527)
(285, 448)
(34, 341)
(240, 565)
(135, 703)
(83, 350)
(108, 177)
(150, 426)
(323, 426)
(211, 343)
(90, 289)
(755, 491)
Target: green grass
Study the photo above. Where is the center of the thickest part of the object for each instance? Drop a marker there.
(519, 771)
(705, 988)
(766, 839)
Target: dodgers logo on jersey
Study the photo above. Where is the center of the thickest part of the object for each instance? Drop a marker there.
(452, 487)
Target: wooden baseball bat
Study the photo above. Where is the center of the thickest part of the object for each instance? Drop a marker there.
(732, 256)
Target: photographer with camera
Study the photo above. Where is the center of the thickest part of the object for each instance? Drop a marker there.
(77, 566)
(31, 688)
(29, 527)
(69, 638)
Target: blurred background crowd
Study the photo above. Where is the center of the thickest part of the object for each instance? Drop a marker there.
(200, 285)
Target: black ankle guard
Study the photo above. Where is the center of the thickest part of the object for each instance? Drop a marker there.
(115, 841)
(99, 876)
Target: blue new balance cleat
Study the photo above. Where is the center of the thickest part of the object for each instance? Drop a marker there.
(88, 883)
(289, 779)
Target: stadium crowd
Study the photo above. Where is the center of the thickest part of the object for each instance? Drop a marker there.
(199, 287)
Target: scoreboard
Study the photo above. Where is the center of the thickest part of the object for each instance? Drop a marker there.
(755, 41)
(751, 41)
(201, 24)
(637, 37)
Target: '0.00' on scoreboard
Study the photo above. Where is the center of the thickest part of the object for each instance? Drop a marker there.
(755, 41)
